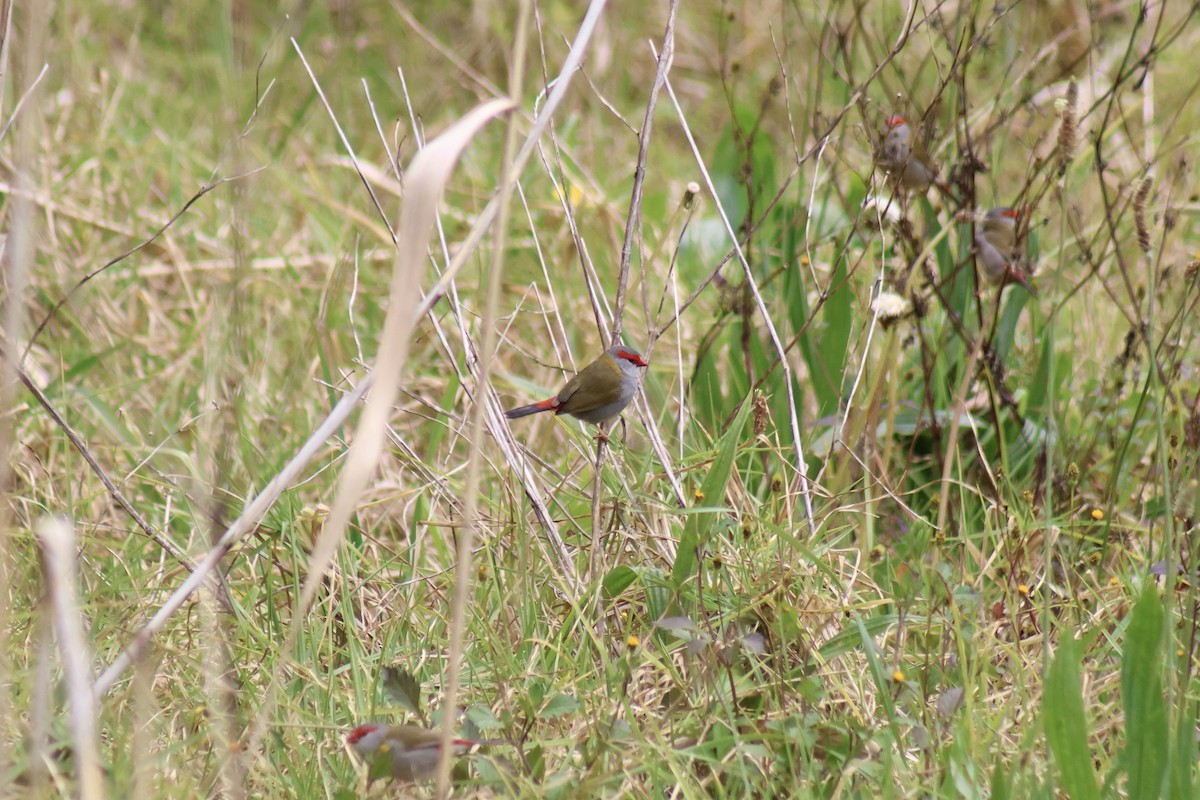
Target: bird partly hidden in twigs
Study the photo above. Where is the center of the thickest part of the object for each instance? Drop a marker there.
(406, 752)
(599, 393)
(902, 154)
(998, 255)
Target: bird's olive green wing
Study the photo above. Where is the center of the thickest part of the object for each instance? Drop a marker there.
(595, 387)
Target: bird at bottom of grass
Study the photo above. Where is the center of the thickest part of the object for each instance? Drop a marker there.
(412, 751)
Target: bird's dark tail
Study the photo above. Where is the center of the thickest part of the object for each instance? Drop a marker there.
(1015, 275)
(532, 408)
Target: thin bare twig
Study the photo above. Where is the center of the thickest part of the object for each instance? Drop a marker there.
(20, 103)
(116, 494)
(633, 220)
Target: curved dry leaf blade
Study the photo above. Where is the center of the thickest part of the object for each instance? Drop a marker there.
(426, 178)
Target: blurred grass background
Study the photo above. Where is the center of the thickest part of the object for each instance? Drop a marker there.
(974, 612)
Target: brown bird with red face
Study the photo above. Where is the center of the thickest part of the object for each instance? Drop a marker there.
(902, 154)
(599, 393)
(413, 751)
(999, 258)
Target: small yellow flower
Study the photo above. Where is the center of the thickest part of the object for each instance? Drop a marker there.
(1113, 581)
(632, 642)
(1179, 653)
(898, 676)
(1097, 514)
(1023, 589)
(698, 496)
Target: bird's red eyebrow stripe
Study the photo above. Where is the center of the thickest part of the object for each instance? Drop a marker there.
(629, 355)
(359, 733)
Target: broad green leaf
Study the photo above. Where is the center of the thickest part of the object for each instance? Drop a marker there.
(401, 688)
(1182, 786)
(1001, 781)
(743, 166)
(1066, 725)
(837, 320)
(851, 637)
(737, 380)
(658, 592)
(698, 527)
(618, 580)
(1039, 388)
(1146, 726)
(381, 764)
(559, 705)
(958, 266)
(480, 718)
(707, 397)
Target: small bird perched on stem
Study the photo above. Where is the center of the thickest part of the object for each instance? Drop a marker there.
(904, 157)
(414, 751)
(1000, 260)
(599, 393)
